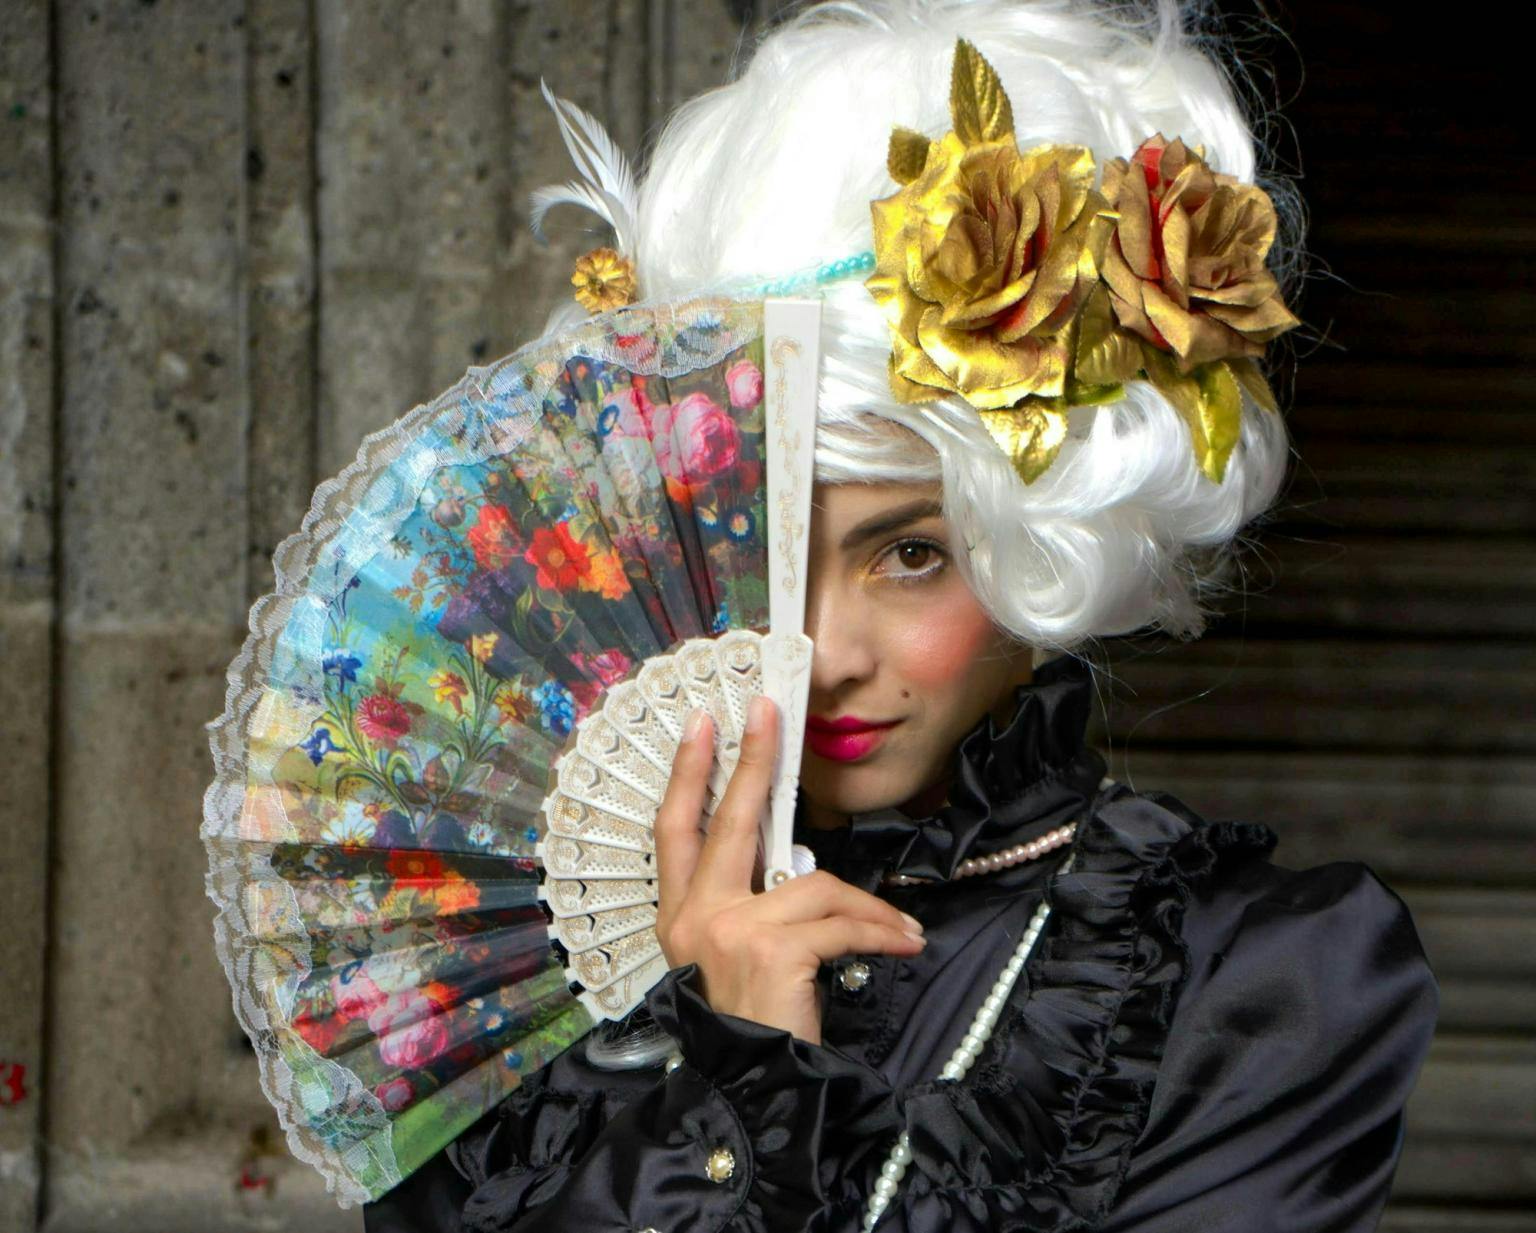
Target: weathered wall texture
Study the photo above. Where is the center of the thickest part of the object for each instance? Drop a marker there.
(237, 237)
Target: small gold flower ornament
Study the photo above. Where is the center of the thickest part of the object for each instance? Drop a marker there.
(1009, 279)
(604, 280)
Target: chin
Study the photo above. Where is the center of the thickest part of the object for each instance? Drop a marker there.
(853, 788)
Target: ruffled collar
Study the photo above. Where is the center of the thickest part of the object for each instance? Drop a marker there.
(1010, 785)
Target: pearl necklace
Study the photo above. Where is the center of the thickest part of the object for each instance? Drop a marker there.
(967, 1051)
(1016, 855)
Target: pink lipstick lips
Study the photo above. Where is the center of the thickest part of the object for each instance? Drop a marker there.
(844, 740)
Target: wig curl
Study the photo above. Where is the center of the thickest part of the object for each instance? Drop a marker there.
(775, 171)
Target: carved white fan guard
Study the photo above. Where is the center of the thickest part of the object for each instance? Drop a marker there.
(598, 853)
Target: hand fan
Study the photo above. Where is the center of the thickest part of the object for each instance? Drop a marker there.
(446, 735)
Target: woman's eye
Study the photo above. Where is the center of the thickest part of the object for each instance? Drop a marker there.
(914, 558)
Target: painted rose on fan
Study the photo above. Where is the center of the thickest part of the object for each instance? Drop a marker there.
(356, 998)
(695, 438)
(411, 1027)
(601, 670)
(744, 381)
(394, 1094)
(609, 667)
(319, 1032)
(494, 538)
(384, 719)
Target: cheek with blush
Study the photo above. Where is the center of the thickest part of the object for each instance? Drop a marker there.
(941, 648)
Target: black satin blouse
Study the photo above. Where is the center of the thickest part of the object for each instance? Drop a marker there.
(1201, 1040)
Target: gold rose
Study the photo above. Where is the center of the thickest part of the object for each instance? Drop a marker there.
(989, 260)
(1187, 300)
(983, 260)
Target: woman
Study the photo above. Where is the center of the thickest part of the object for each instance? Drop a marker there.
(1015, 995)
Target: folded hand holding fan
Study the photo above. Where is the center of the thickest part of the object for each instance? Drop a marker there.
(447, 734)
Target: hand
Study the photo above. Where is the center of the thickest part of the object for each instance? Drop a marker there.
(758, 953)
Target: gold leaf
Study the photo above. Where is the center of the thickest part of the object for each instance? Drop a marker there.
(1222, 417)
(1208, 402)
(907, 154)
(1030, 434)
(1106, 354)
(1093, 395)
(1254, 384)
(977, 103)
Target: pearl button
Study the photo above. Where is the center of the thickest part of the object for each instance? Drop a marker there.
(855, 976)
(721, 1164)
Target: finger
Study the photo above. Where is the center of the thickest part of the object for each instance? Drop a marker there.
(677, 819)
(837, 936)
(821, 894)
(730, 848)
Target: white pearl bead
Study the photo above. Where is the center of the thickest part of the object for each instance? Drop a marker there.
(974, 1040)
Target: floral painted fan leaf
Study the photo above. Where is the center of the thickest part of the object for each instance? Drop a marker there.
(457, 602)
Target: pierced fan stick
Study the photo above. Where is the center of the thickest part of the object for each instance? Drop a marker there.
(792, 366)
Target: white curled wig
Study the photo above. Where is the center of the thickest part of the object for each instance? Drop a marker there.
(775, 171)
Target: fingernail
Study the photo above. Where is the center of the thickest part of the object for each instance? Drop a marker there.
(693, 723)
(913, 924)
(757, 713)
(917, 937)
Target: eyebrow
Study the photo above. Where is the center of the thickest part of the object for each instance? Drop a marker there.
(891, 519)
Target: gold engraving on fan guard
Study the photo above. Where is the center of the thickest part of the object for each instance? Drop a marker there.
(791, 529)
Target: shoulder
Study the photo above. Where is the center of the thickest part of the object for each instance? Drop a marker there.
(1306, 934)
(1306, 1010)
(1305, 931)
(1232, 892)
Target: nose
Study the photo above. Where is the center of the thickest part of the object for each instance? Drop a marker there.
(837, 623)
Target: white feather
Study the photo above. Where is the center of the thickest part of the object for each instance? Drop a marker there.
(609, 190)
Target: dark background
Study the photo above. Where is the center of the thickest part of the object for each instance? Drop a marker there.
(1374, 697)
(238, 235)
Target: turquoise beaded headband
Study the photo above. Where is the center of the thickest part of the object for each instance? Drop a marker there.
(605, 279)
(816, 276)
